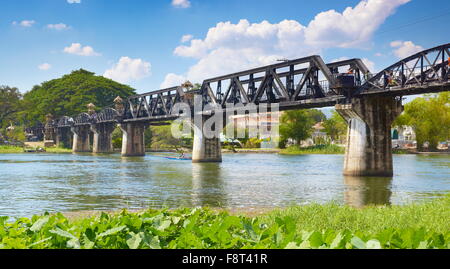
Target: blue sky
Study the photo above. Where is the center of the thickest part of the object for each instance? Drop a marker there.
(139, 42)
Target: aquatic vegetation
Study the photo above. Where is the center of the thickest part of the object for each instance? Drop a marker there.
(307, 227)
(319, 149)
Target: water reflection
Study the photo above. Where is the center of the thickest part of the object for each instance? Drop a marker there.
(207, 185)
(363, 191)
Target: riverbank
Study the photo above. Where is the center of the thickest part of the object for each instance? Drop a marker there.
(412, 226)
(12, 149)
(319, 149)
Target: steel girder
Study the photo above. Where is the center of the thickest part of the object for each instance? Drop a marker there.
(426, 71)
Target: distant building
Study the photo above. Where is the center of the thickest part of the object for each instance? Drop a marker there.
(319, 136)
(403, 137)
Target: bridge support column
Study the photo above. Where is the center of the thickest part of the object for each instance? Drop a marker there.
(81, 138)
(102, 137)
(369, 142)
(63, 137)
(206, 150)
(133, 142)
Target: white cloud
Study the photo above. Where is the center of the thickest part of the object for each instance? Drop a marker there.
(172, 80)
(44, 66)
(78, 49)
(351, 28)
(74, 1)
(181, 3)
(230, 47)
(378, 54)
(25, 23)
(58, 26)
(186, 38)
(369, 64)
(128, 69)
(405, 49)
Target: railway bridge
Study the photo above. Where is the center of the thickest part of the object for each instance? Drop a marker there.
(368, 102)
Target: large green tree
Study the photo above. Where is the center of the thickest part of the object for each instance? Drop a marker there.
(335, 126)
(316, 115)
(430, 118)
(296, 125)
(69, 95)
(10, 105)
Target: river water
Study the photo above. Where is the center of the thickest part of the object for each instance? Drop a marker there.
(35, 183)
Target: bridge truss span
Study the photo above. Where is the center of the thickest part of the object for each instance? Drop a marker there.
(423, 72)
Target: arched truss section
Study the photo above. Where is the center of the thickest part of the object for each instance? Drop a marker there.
(65, 122)
(155, 104)
(426, 71)
(106, 115)
(301, 79)
(82, 119)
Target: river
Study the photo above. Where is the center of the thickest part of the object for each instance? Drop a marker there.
(35, 183)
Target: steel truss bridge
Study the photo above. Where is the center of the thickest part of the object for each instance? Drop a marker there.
(302, 83)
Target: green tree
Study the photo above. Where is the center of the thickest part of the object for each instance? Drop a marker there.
(69, 95)
(10, 105)
(335, 127)
(430, 118)
(316, 115)
(296, 125)
(162, 138)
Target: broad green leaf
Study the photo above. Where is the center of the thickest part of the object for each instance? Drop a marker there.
(40, 242)
(423, 245)
(337, 241)
(88, 244)
(63, 233)
(164, 225)
(315, 240)
(175, 220)
(292, 245)
(373, 244)
(155, 243)
(37, 226)
(358, 243)
(305, 245)
(134, 241)
(73, 243)
(111, 231)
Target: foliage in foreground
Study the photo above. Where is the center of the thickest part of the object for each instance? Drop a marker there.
(316, 226)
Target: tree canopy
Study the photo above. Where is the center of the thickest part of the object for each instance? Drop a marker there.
(335, 127)
(296, 125)
(10, 105)
(69, 95)
(430, 118)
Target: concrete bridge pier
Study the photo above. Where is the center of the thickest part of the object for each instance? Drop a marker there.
(206, 148)
(133, 142)
(63, 137)
(369, 142)
(81, 138)
(102, 142)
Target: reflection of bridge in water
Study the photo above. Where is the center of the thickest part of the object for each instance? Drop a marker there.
(369, 103)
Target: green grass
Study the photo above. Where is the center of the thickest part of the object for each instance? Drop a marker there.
(14, 149)
(328, 226)
(10, 149)
(58, 150)
(319, 149)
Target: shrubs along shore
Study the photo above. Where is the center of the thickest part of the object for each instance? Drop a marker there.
(329, 226)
